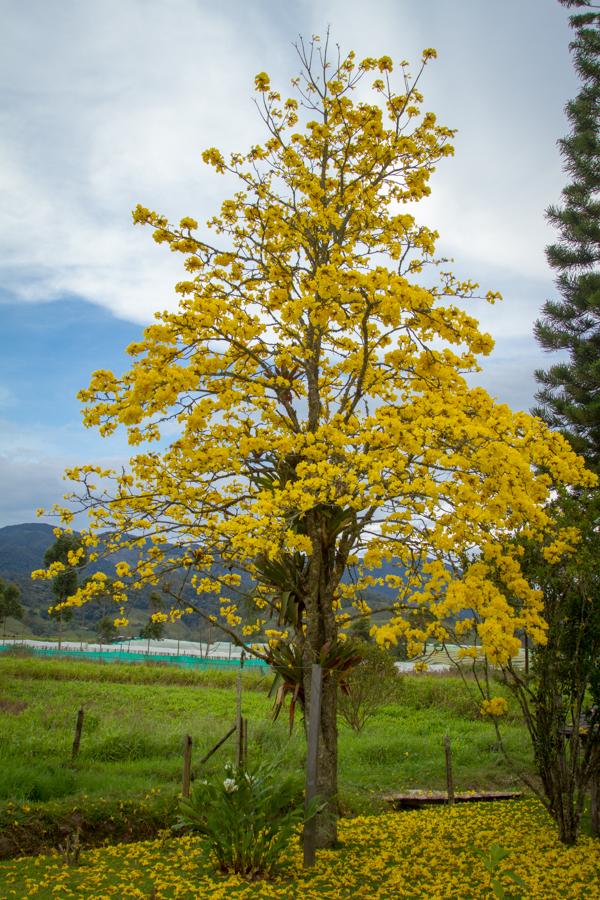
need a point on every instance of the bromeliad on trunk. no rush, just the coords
(337, 659)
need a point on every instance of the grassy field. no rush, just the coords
(136, 717)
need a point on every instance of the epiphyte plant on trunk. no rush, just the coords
(314, 374)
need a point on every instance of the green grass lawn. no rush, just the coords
(136, 717)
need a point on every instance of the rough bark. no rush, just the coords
(323, 579)
(595, 805)
(559, 763)
(326, 822)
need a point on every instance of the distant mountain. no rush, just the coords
(22, 547)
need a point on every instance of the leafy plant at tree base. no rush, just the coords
(336, 658)
(368, 686)
(249, 818)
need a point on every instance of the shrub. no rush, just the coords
(249, 818)
(368, 686)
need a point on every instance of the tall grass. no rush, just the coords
(135, 717)
(22, 665)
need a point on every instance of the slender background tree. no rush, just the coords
(560, 694)
(67, 556)
(10, 607)
(562, 700)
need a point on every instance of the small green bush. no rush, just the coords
(249, 818)
(368, 686)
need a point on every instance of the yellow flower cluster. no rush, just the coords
(495, 707)
(564, 544)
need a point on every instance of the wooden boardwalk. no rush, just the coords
(420, 799)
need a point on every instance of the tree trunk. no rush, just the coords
(326, 819)
(563, 790)
(595, 804)
(322, 581)
(562, 774)
(567, 820)
(327, 766)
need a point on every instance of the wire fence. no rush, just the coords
(217, 655)
(108, 653)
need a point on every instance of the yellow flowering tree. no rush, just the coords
(310, 404)
(558, 688)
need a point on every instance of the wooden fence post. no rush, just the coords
(245, 747)
(239, 722)
(77, 737)
(314, 723)
(187, 765)
(449, 776)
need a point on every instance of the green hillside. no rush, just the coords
(22, 549)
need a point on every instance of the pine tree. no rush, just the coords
(570, 395)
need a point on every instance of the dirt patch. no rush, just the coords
(12, 706)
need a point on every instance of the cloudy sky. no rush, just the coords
(107, 103)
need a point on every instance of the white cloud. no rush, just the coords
(33, 460)
(114, 109)
(110, 104)
(25, 485)
(502, 78)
